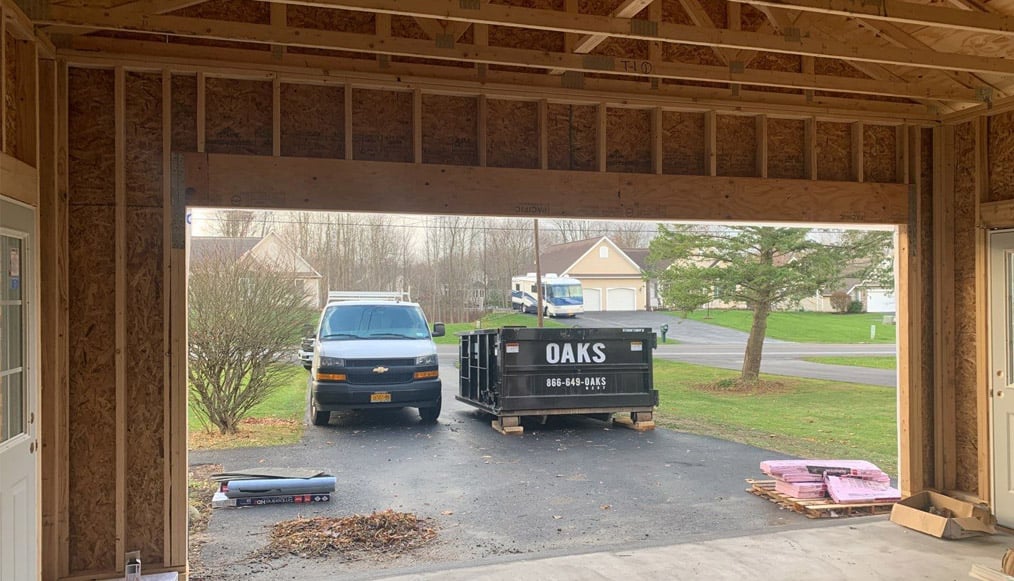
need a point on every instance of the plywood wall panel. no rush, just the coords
(381, 125)
(786, 144)
(146, 383)
(512, 133)
(91, 130)
(737, 145)
(880, 147)
(450, 130)
(144, 139)
(325, 19)
(313, 121)
(965, 305)
(238, 117)
(248, 11)
(184, 113)
(834, 151)
(91, 518)
(572, 137)
(1001, 156)
(683, 143)
(628, 140)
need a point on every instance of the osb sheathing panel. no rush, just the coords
(880, 146)
(238, 118)
(313, 121)
(91, 131)
(407, 27)
(776, 61)
(925, 375)
(834, 151)
(572, 137)
(91, 405)
(628, 140)
(381, 125)
(751, 19)
(248, 11)
(450, 130)
(965, 392)
(10, 104)
(683, 143)
(146, 383)
(1001, 156)
(674, 13)
(510, 37)
(837, 68)
(512, 134)
(737, 145)
(144, 139)
(184, 113)
(325, 19)
(786, 143)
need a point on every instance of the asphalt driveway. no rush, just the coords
(680, 329)
(572, 485)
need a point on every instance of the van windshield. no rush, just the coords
(345, 322)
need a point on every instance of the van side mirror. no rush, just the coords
(438, 329)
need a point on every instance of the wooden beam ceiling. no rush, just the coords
(902, 12)
(366, 43)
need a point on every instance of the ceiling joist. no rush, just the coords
(598, 64)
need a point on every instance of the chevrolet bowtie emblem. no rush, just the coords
(380, 369)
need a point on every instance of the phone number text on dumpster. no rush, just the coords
(589, 383)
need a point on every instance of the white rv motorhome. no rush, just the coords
(561, 295)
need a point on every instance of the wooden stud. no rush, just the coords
(982, 321)
(601, 139)
(808, 64)
(201, 112)
(909, 276)
(348, 122)
(810, 148)
(3, 80)
(62, 340)
(417, 130)
(482, 139)
(543, 134)
(383, 30)
(120, 188)
(711, 143)
(945, 464)
(657, 142)
(169, 534)
(276, 116)
(857, 151)
(762, 142)
(655, 16)
(902, 153)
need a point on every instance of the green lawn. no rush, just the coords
(806, 327)
(496, 320)
(872, 362)
(276, 421)
(808, 418)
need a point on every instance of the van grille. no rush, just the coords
(371, 363)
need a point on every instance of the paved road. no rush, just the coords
(682, 330)
(573, 485)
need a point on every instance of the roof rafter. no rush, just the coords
(587, 24)
(365, 43)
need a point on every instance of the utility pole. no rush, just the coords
(538, 275)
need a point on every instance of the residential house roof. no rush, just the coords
(205, 248)
(560, 258)
(269, 249)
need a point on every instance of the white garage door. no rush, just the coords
(879, 301)
(592, 299)
(620, 299)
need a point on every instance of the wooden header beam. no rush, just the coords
(219, 180)
(903, 12)
(596, 64)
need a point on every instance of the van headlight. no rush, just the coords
(329, 362)
(426, 360)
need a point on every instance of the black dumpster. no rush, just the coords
(515, 371)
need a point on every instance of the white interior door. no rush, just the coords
(19, 455)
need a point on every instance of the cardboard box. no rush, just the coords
(959, 520)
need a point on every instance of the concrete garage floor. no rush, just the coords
(873, 549)
(649, 504)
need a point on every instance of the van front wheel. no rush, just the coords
(430, 414)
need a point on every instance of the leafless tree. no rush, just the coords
(245, 318)
(242, 223)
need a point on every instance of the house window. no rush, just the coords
(603, 252)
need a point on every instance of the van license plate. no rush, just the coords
(380, 398)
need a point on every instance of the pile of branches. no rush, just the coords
(387, 533)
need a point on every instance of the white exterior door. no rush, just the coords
(19, 454)
(592, 299)
(621, 299)
(1001, 318)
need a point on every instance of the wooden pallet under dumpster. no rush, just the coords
(818, 507)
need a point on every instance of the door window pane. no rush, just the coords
(1009, 277)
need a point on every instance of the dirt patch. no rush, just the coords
(386, 534)
(739, 386)
(252, 432)
(200, 489)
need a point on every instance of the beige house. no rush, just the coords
(270, 251)
(611, 277)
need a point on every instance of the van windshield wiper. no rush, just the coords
(340, 336)
(394, 335)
